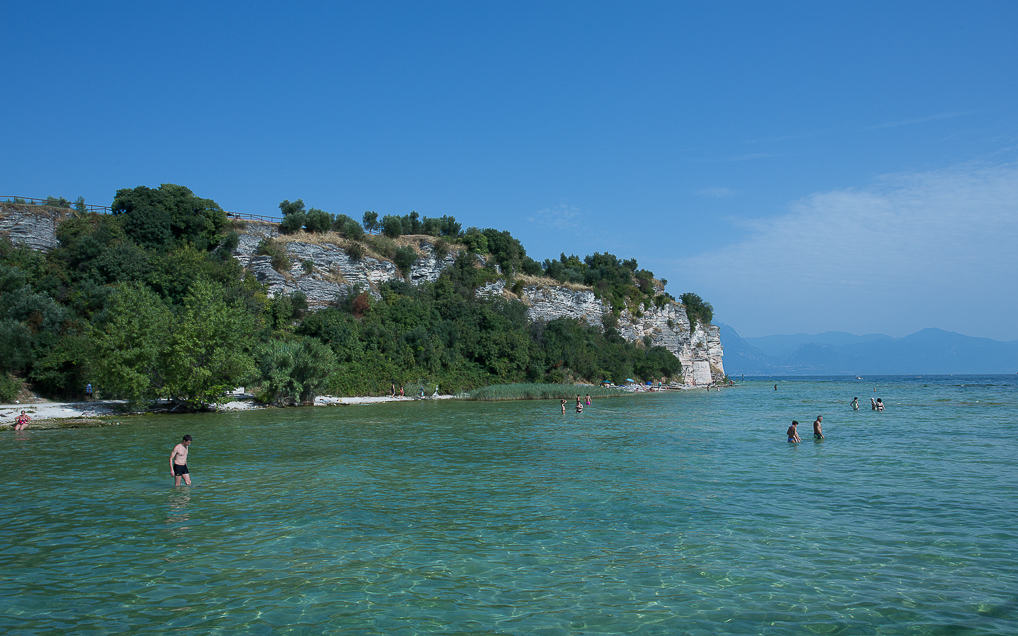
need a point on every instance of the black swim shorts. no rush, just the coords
(180, 469)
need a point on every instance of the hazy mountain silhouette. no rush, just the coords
(929, 351)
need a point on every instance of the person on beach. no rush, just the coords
(855, 404)
(392, 392)
(563, 406)
(793, 433)
(88, 391)
(401, 393)
(880, 405)
(21, 423)
(588, 399)
(178, 462)
(818, 432)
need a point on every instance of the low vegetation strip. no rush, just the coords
(536, 391)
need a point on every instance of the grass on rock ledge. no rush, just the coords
(540, 392)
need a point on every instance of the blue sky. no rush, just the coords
(803, 166)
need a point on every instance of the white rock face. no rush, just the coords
(699, 350)
(549, 303)
(31, 225)
(324, 271)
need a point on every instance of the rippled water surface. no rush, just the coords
(667, 513)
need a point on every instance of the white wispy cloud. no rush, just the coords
(559, 217)
(910, 250)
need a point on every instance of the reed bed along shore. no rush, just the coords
(529, 391)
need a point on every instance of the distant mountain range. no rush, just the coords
(930, 351)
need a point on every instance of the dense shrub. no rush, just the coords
(292, 223)
(348, 227)
(293, 371)
(475, 241)
(317, 220)
(9, 388)
(404, 258)
(392, 226)
(154, 217)
(697, 310)
(355, 251)
(276, 251)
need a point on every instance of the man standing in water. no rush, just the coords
(178, 462)
(855, 404)
(818, 433)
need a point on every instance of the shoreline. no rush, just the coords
(49, 415)
(82, 414)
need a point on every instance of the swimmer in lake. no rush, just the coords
(818, 432)
(793, 433)
(563, 406)
(579, 405)
(880, 405)
(855, 404)
(873, 404)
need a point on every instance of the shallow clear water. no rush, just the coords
(667, 513)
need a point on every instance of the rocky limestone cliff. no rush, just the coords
(31, 225)
(323, 270)
(698, 349)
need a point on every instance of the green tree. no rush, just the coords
(130, 343)
(697, 310)
(318, 220)
(392, 226)
(209, 351)
(370, 220)
(475, 240)
(294, 216)
(348, 227)
(154, 217)
(287, 207)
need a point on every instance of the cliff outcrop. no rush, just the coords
(323, 270)
(321, 267)
(31, 225)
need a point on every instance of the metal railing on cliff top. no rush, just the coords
(105, 209)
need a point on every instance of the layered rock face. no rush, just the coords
(698, 349)
(31, 225)
(324, 271)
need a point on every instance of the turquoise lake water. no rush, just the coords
(682, 512)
